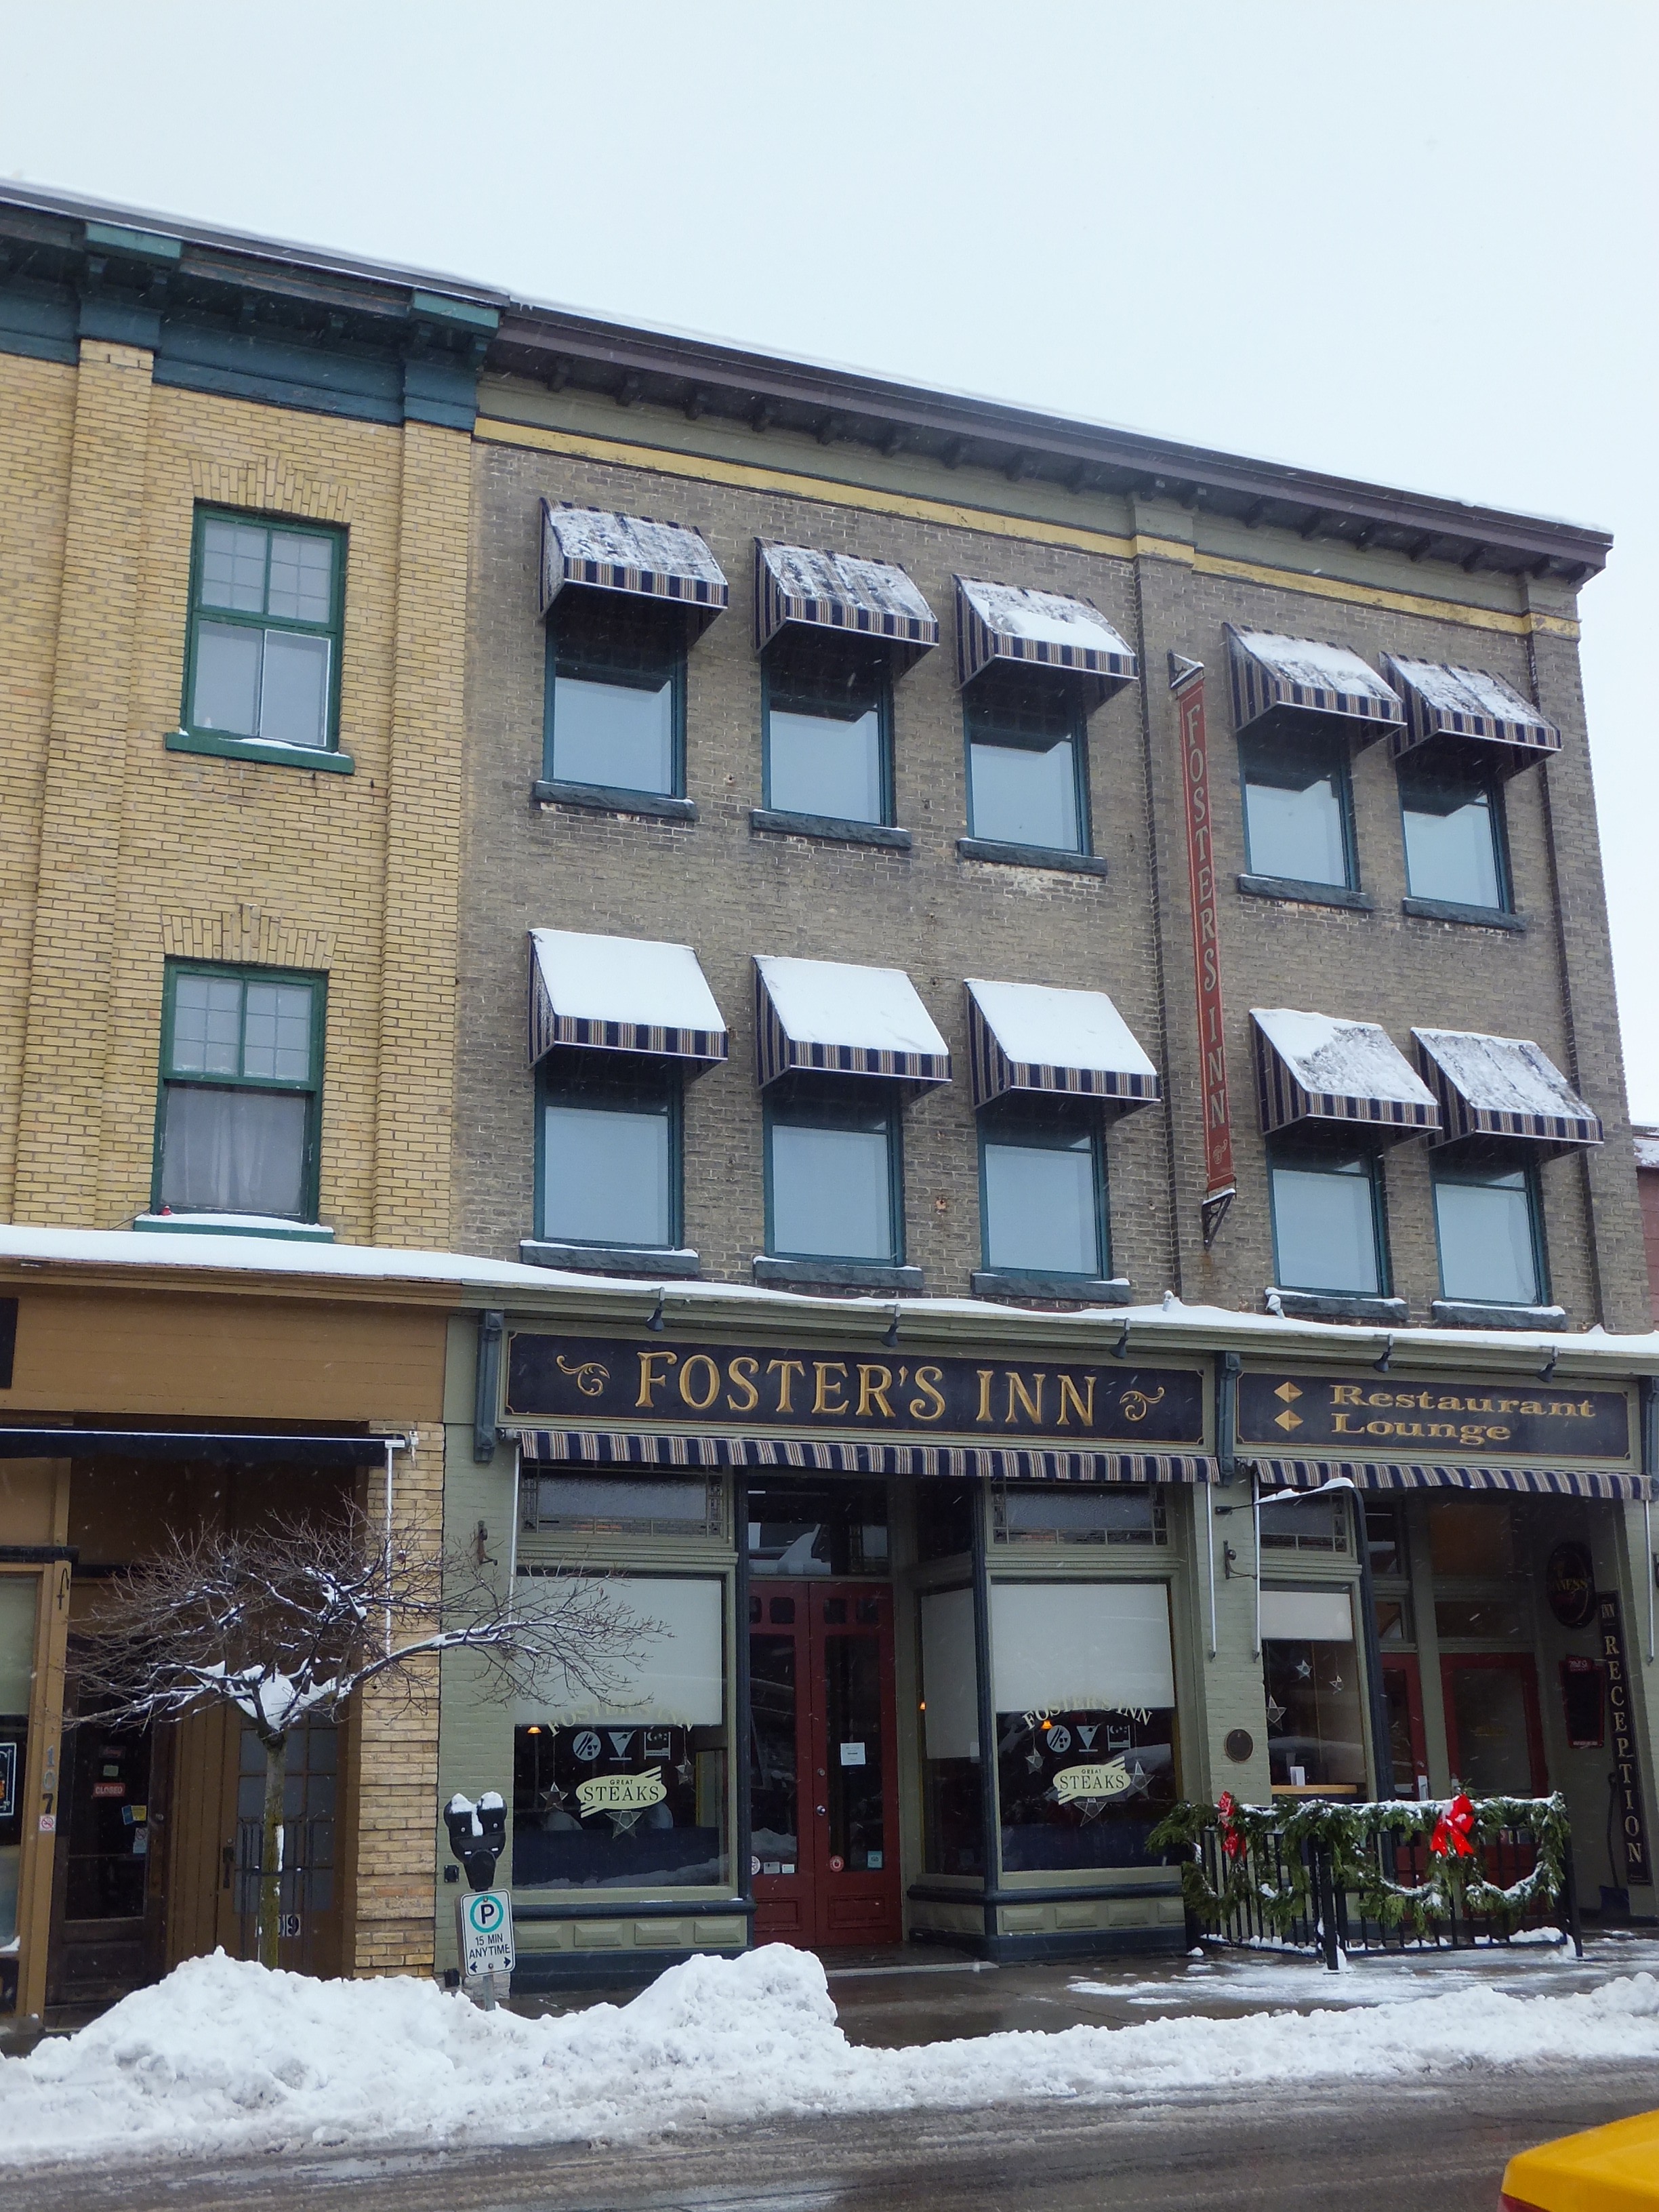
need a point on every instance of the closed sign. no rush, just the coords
(485, 1918)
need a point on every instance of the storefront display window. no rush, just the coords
(1319, 1525)
(629, 1791)
(1084, 1687)
(1075, 1513)
(952, 1770)
(944, 1519)
(1316, 1732)
(826, 1528)
(17, 1606)
(603, 1505)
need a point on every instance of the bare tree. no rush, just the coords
(290, 1622)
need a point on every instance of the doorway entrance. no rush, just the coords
(822, 1769)
(107, 1892)
(1494, 1737)
(1408, 1753)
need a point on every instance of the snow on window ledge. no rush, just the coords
(236, 1224)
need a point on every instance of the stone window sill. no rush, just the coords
(1335, 1306)
(599, 799)
(991, 1283)
(828, 827)
(319, 758)
(1473, 917)
(1464, 1313)
(1030, 856)
(1299, 894)
(644, 1261)
(235, 1225)
(837, 1274)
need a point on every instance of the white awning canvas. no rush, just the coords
(621, 994)
(825, 1015)
(1035, 1037)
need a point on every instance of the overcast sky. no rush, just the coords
(1403, 241)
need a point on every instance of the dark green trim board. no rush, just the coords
(210, 743)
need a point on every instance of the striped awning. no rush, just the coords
(1395, 1475)
(621, 994)
(1319, 1069)
(1493, 1086)
(823, 1016)
(1039, 629)
(601, 1448)
(1030, 1036)
(1272, 673)
(796, 585)
(1472, 704)
(588, 546)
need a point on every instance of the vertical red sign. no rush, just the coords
(1187, 681)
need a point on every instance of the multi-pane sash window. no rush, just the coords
(241, 1073)
(264, 632)
(827, 715)
(1026, 780)
(615, 679)
(1297, 825)
(1043, 1191)
(610, 1153)
(1486, 1223)
(1327, 1224)
(832, 1176)
(1454, 834)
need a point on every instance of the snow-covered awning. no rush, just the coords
(1314, 1068)
(606, 552)
(823, 1016)
(1396, 1474)
(1272, 673)
(795, 585)
(621, 994)
(1470, 703)
(859, 1456)
(1495, 1086)
(1041, 629)
(1030, 1036)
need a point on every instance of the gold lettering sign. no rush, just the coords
(620, 1793)
(1428, 1420)
(1109, 1779)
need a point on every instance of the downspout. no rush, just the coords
(487, 1387)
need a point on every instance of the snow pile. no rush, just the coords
(1344, 1060)
(866, 1009)
(225, 2057)
(580, 534)
(1042, 1026)
(1041, 618)
(1472, 691)
(807, 577)
(1504, 1075)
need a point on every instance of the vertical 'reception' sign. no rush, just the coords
(1627, 1772)
(1187, 681)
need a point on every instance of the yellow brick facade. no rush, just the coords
(116, 853)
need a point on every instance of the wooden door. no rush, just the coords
(108, 1888)
(1494, 1734)
(822, 1770)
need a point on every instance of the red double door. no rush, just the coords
(823, 1815)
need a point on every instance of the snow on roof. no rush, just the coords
(1457, 691)
(1044, 616)
(1040, 1025)
(1313, 665)
(1504, 1075)
(876, 1009)
(633, 980)
(1647, 1148)
(801, 572)
(1349, 1060)
(634, 541)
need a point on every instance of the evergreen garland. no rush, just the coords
(1279, 1884)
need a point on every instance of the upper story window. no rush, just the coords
(1453, 816)
(1298, 807)
(827, 708)
(241, 1086)
(1027, 773)
(610, 1161)
(615, 695)
(263, 662)
(1042, 1180)
(834, 1179)
(1327, 1221)
(1488, 1226)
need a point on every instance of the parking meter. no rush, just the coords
(477, 1835)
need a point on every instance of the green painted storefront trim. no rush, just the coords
(188, 1224)
(251, 749)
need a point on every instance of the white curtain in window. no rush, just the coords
(1072, 1647)
(949, 1682)
(680, 1678)
(234, 1151)
(1307, 1616)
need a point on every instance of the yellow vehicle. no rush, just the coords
(1611, 2169)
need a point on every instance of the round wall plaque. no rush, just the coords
(1570, 1584)
(1240, 1744)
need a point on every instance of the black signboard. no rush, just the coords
(1450, 1417)
(589, 1382)
(1626, 1773)
(1569, 1586)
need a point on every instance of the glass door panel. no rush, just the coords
(1403, 1692)
(1492, 1731)
(775, 1729)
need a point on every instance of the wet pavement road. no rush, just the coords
(1416, 2149)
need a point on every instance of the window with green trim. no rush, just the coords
(827, 711)
(1327, 1220)
(237, 1123)
(1042, 1190)
(615, 695)
(263, 657)
(834, 1178)
(1298, 811)
(1027, 770)
(1452, 815)
(609, 1168)
(1488, 1226)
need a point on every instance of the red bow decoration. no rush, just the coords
(1232, 1835)
(1453, 1829)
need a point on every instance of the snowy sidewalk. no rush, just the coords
(224, 2058)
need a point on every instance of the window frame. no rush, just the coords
(1341, 749)
(773, 663)
(1479, 772)
(670, 624)
(1472, 1171)
(597, 1077)
(316, 980)
(333, 629)
(1003, 1121)
(979, 698)
(1328, 1157)
(805, 1094)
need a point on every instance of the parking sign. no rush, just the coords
(485, 1921)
